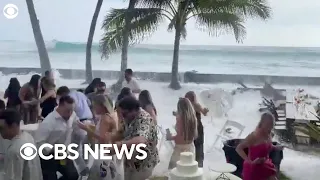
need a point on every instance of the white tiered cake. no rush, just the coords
(187, 168)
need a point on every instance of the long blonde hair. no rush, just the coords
(266, 117)
(104, 101)
(188, 119)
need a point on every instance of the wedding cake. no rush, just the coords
(187, 168)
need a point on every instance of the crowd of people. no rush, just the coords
(90, 116)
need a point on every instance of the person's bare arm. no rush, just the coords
(117, 136)
(247, 142)
(199, 108)
(150, 110)
(22, 93)
(48, 94)
(178, 130)
(107, 126)
(103, 129)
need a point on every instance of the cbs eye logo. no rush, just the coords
(28, 151)
(10, 11)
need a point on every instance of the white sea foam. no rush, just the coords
(297, 165)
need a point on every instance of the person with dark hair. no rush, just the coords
(199, 142)
(12, 94)
(59, 127)
(92, 86)
(48, 101)
(130, 82)
(82, 103)
(80, 90)
(139, 128)
(29, 95)
(2, 105)
(15, 167)
(100, 89)
(125, 92)
(63, 90)
(48, 74)
(147, 104)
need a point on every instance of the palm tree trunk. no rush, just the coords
(175, 84)
(125, 46)
(89, 75)
(43, 54)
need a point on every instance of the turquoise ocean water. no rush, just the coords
(157, 58)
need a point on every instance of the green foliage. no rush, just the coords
(212, 16)
(283, 177)
(310, 129)
(144, 21)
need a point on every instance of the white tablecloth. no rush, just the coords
(223, 167)
(292, 112)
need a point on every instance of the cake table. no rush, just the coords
(222, 169)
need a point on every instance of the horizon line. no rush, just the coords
(171, 44)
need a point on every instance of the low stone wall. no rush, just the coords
(185, 77)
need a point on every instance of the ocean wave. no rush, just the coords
(56, 46)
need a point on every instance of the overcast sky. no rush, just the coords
(294, 23)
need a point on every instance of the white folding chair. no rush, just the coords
(224, 134)
(217, 100)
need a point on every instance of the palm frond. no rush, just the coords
(154, 3)
(172, 23)
(247, 8)
(144, 21)
(184, 32)
(216, 23)
(114, 19)
(111, 42)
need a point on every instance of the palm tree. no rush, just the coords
(43, 54)
(213, 15)
(110, 43)
(89, 75)
(125, 27)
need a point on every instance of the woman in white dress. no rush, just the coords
(186, 127)
(104, 169)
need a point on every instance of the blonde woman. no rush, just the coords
(257, 164)
(103, 169)
(186, 127)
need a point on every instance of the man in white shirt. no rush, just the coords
(83, 112)
(130, 82)
(58, 128)
(15, 167)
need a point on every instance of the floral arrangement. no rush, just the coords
(300, 97)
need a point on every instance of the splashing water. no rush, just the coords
(297, 165)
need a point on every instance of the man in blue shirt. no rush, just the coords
(82, 103)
